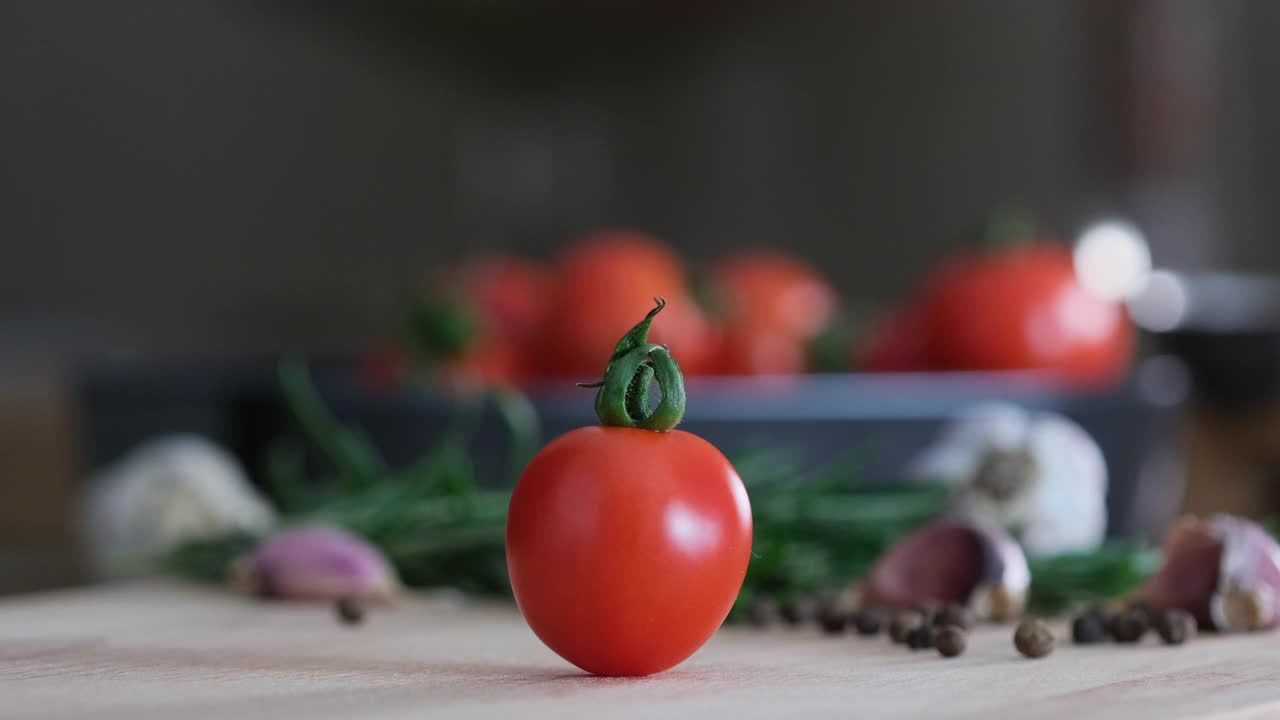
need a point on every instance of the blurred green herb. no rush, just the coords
(1112, 570)
(814, 531)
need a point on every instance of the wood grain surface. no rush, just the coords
(163, 650)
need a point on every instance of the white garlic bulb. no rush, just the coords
(1038, 474)
(165, 492)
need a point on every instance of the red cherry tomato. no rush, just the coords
(626, 548)
(509, 294)
(772, 306)
(500, 302)
(775, 292)
(896, 344)
(491, 362)
(1024, 309)
(605, 281)
(753, 351)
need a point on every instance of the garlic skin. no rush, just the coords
(165, 492)
(316, 563)
(1037, 472)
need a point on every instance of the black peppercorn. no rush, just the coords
(922, 638)
(350, 611)
(797, 610)
(762, 613)
(955, 614)
(1128, 626)
(869, 621)
(833, 619)
(1089, 628)
(950, 640)
(903, 623)
(1033, 638)
(1175, 626)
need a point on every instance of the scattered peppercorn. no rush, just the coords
(1128, 626)
(869, 621)
(955, 614)
(762, 613)
(350, 611)
(950, 640)
(833, 619)
(798, 610)
(903, 623)
(1175, 626)
(1089, 628)
(921, 638)
(1033, 638)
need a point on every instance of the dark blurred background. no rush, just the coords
(234, 178)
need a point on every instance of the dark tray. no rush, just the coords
(886, 419)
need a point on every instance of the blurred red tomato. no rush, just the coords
(756, 351)
(772, 306)
(1023, 309)
(603, 282)
(474, 327)
(508, 294)
(897, 343)
(774, 292)
(490, 362)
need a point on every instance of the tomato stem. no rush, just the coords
(623, 396)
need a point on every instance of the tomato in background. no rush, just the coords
(602, 283)
(897, 343)
(510, 295)
(772, 306)
(470, 328)
(1022, 308)
(775, 291)
(757, 351)
(489, 363)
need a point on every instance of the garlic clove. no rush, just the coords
(316, 563)
(952, 560)
(1225, 571)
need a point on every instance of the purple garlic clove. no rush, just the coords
(952, 560)
(316, 563)
(1225, 571)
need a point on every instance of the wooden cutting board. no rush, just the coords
(164, 650)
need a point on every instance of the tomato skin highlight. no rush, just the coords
(627, 548)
